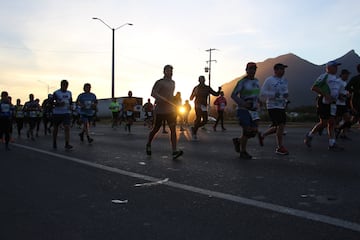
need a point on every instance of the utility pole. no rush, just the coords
(208, 69)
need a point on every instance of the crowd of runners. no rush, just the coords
(338, 108)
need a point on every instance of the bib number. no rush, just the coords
(203, 108)
(254, 115)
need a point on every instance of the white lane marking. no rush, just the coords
(245, 201)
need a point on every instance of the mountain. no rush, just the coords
(300, 74)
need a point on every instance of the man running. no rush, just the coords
(246, 95)
(201, 93)
(328, 87)
(6, 112)
(87, 102)
(165, 110)
(62, 101)
(31, 110)
(275, 92)
(129, 105)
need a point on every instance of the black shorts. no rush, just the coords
(64, 119)
(277, 116)
(323, 110)
(341, 110)
(170, 118)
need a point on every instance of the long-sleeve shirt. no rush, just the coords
(275, 91)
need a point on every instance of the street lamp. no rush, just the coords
(208, 69)
(113, 53)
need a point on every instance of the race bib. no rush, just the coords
(333, 109)
(87, 104)
(222, 106)
(19, 114)
(33, 114)
(5, 108)
(203, 108)
(254, 115)
(149, 114)
(129, 113)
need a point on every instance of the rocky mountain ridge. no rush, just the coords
(301, 74)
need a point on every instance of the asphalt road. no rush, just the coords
(110, 189)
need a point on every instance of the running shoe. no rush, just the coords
(236, 143)
(54, 145)
(245, 155)
(336, 148)
(261, 139)
(68, 147)
(307, 140)
(148, 149)
(90, 140)
(193, 135)
(281, 151)
(177, 154)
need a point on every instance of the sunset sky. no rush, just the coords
(45, 41)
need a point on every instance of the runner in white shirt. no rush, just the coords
(343, 116)
(62, 100)
(328, 86)
(275, 93)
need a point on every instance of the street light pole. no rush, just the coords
(113, 53)
(209, 68)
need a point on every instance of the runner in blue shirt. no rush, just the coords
(87, 102)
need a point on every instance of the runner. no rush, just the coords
(62, 100)
(19, 116)
(115, 110)
(246, 95)
(47, 108)
(87, 103)
(148, 109)
(328, 87)
(31, 109)
(6, 112)
(129, 106)
(165, 110)
(201, 93)
(220, 103)
(187, 109)
(178, 103)
(275, 92)
(343, 116)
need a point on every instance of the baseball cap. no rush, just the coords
(251, 65)
(280, 66)
(333, 63)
